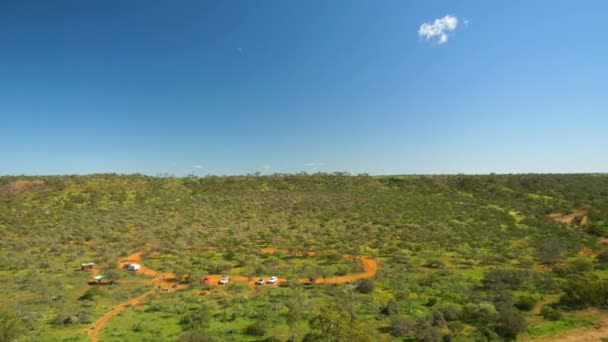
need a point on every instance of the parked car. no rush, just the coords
(206, 280)
(132, 267)
(273, 280)
(260, 281)
(225, 280)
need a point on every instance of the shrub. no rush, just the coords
(551, 250)
(586, 292)
(401, 326)
(505, 278)
(256, 329)
(525, 302)
(427, 333)
(138, 327)
(434, 264)
(437, 319)
(550, 313)
(196, 336)
(341, 270)
(603, 257)
(510, 322)
(451, 312)
(577, 266)
(11, 325)
(92, 292)
(366, 286)
(597, 230)
(390, 308)
(483, 313)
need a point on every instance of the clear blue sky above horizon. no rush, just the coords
(233, 87)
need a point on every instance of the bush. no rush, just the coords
(366, 286)
(196, 336)
(401, 326)
(525, 302)
(256, 329)
(577, 266)
(510, 322)
(586, 292)
(11, 326)
(505, 278)
(427, 333)
(602, 257)
(451, 312)
(483, 313)
(434, 264)
(92, 292)
(436, 318)
(597, 230)
(550, 313)
(341, 270)
(391, 308)
(551, 250)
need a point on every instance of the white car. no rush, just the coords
(225, 280)
(272, 280)
(260, 281)
(132, 267)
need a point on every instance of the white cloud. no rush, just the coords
(438, 30)
(199, 167)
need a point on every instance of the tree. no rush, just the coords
(510, 322)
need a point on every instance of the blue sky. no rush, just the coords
(233, 87)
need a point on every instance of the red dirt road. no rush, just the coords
(166, 280)
(116, 309)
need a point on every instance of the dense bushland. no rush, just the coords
(461, 256)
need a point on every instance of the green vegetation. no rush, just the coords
(461, 257)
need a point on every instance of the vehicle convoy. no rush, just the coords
(224, 280)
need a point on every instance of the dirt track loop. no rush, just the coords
(166, 280)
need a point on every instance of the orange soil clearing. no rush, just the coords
(166, 280)
(20, 184)
(581, 213)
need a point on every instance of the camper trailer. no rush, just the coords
(87, 266)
